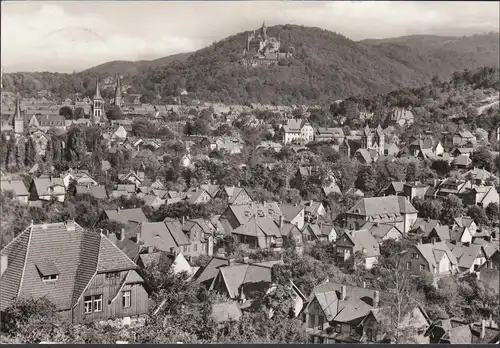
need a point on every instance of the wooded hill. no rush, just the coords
(327, 66)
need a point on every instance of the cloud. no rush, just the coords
(52, 39)
(62, 36)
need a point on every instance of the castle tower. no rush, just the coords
(366, 138)
(381, 139)
(118, 92)
(98, 104)
(18, 119)
(263, 31)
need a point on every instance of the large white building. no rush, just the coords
(298, 131)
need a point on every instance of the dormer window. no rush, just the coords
(48, 271)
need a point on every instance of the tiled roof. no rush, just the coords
(175, 229)
(17, 186)
(427, 251)
(43, 185)
(97, 191)
(76, 254)
(290, 211)
(226, 311)
(378, 230)
(211, 269)
(383, 206)
(466, 255)
(125, 215)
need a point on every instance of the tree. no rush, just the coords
(398, 280)
(78, 113)
(114, 113)
(11, 162)
(76, 148)
(482, 136)
(492, 212)
(366, 179)
(478, 214)
(66, 112)
(30, 153)
(343, 171)
(21, 152)
(30, 319)
(452, 208)
(428, 208)
(482, 158)
(3, 148)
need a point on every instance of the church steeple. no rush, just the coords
(97, 90)
(18, 119)
(98, 104)
(118, 92)
(263, 30)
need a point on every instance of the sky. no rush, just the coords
(62, 36)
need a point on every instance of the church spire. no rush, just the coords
(17, 114)
(118, 91)
(263, 30)
(97, 90)
(18, 119)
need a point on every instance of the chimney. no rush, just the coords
(364, 285)
(246, 260)
(343, 292)
(376, 298)
(281, 221)
(70, 225)
(4, 262)
(183, 220)
(151, 249)
(483, 328)
(311, 203)
(138, 237)
(121, 234)
(118, 210)
(231, 262)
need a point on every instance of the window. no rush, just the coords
(352, 331)
(321, 322)
(185, 248)
(126, 299)
(408, 265)
(338, 327)
(422, 268)
(311, 321)
(415, 256)
(50, 278)
(195, 247)
(88, 304)
(434, 269)
(98, 303)
(369, 335)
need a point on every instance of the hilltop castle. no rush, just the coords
(262, 49)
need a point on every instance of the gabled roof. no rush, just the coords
(379, 230)
(428, 251)
(125, 215)
(17, 186)
(97, 191)
(226, 311)
(383, 206)
(175, 229)
(43, 185)
(290, 211)
(466, 255)
(66, 248)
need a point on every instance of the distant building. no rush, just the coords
(299, 131)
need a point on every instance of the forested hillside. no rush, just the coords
(326, 66)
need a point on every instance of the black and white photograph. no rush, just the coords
(250, 172)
